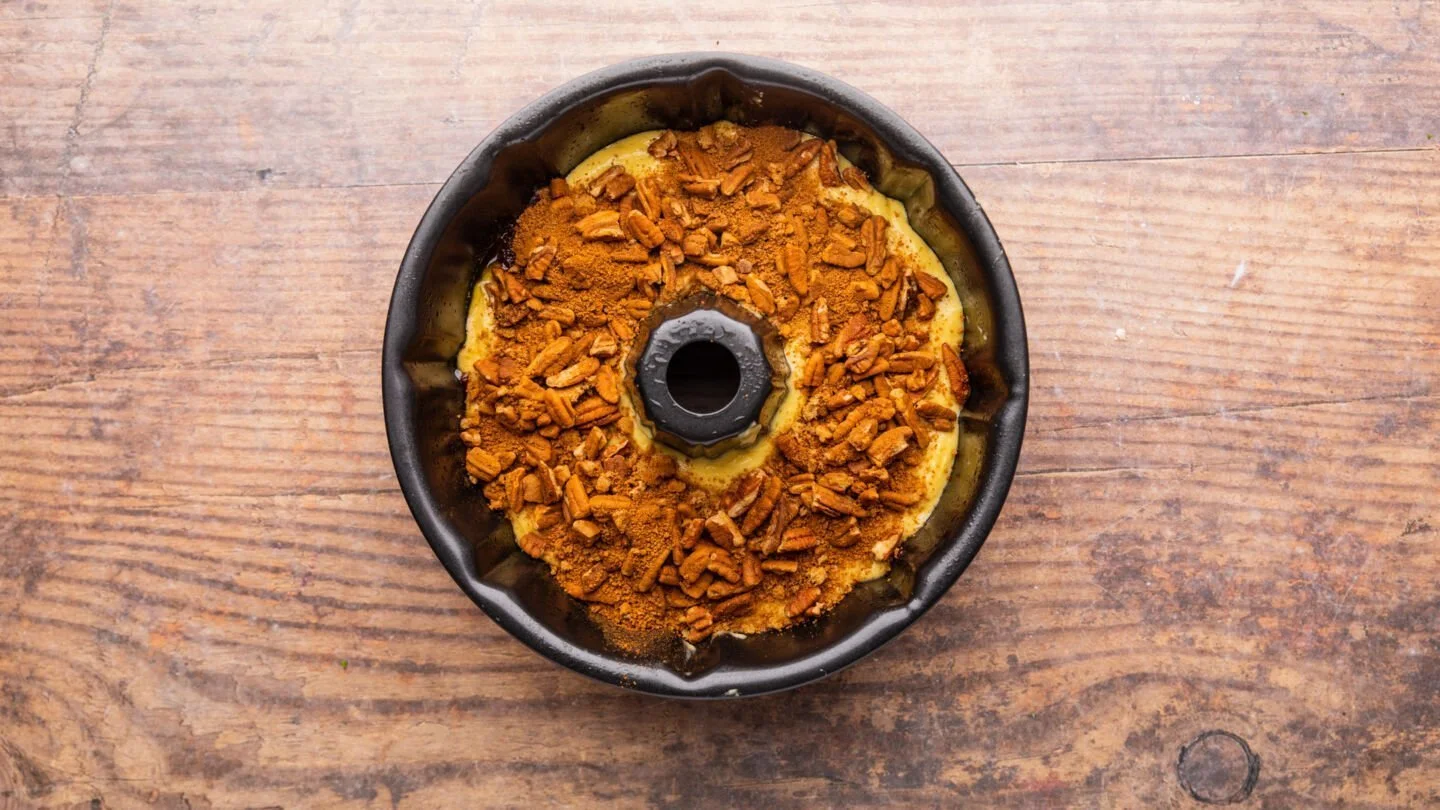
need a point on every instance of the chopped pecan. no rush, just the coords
(924, 308)
(651, 573)
(840, 256)
(735, 604)
(819, 322)
(872, 236)
(696, 562)
(532, 543)
(863, 434)
(769, 495)
(864, 289)
(801, 157)
(647, 194)
(560, 408)
(549, 356)
(888, 445)
(760, 294)
(829, 166)
(780, 566)
(587, 529)
(601, 225)
(646, 232)
(930, 286)
(955, 372)
(850, 536)
(722, 529)
(706, 189)
(899, 500)
(813, 374)
(797, 538)
(622, 330)
(604, 346)
(885, 549)
(696, 162)
(803, 601)
(595, 412)
(855, 178)
(941, 417)
(542, 259)
(737, 178)
(487, 466)
(762, 198)
(607, 386)
(577, 372)
(663, 145)
(831, 502)
(746, 494)
(905, 408)
(609, 503)
(793, 264)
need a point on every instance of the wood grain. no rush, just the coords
(350, 93)
(211, 593)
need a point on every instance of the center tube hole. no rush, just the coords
(703, 377)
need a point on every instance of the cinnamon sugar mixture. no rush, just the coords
(654, 541)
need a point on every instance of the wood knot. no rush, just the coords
(1218, 767)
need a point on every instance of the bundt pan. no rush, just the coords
(462, 228)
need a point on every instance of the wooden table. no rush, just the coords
(1225, 223)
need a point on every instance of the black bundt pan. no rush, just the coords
(423, 398)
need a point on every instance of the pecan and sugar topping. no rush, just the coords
(851, 463)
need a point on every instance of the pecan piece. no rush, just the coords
(542, 259)
(769, 495)
(722, 529)
(646, 232)
(696, 562)
(647, 194)
(608, 503)
(601, 225)
(885, 549)
(796, 539)
(840, 256)
(760, 295)
(813, 374)
(855, 178)
(780, 566)
(560, 409)
(830, 502)
(604, 346)
(829, 166)
(801, 157)
(905, 408)
(532, 543)
(587, 529)
(736, 179)
(930, 287)
(819, 322)
(606, 385)
(888, 445)
(899, 500)
(549, 356)
(955, 372)
(651, 573)
(863, 434)
(803, 602)
(486, 466)
(747, 494)
(663, 145)
(795, 267)
(733, 605)
(577, 372)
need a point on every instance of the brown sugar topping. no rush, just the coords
(549, 434)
